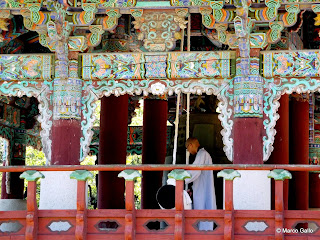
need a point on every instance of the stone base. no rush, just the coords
(58, 191)
(13, 204)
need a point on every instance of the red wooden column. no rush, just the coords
(153, 148)
(248, 151)
(66, 134)
(112, 150)
(229, 175)
(248, 110)
(32, 208)
(66, 125)
(280, 154)
(299, 153)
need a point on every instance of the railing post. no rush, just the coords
(279, 176)
(229, 175)
(81, 218)
(130, 218)
(179, 175)
(32, 209)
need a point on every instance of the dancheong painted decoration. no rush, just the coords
(127, 82)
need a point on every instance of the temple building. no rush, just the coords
(241, 76)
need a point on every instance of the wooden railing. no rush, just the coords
(130, 223)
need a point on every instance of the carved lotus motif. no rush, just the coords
(157, 88)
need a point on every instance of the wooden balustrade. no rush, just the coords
(131, 224)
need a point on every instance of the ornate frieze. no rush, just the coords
(155, 66)
(292, 64)
(173, 65)
(120, 87)
(217, 17)
(199, 65)
(26, 67)
(113, 66)
(225, 97)
(88, 107)
(67, 94)
(248, 96)
(160, 30)
(67, 99)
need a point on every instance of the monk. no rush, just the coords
(204, 196)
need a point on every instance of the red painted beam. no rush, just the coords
(81, 217)
(163, 167)
(179, 216)
(32, 213)
(130, 217)
(228, 213)
(279, 209)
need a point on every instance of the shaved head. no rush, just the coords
(192, 140)
(192, 145)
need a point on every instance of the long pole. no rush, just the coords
(187, 125)
(176, 123)
(189, 32)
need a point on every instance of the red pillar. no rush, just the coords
(280, 154)
(66, 134)
(247, 131)
(112, 150)
(153, 148)
(299, 153)
(247, 137)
